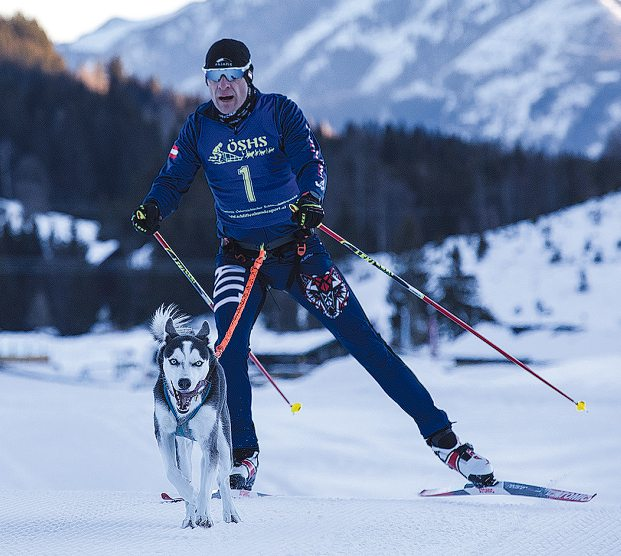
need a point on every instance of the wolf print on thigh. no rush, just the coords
(328, 292)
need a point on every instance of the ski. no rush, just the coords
(510, 488)
(235, 494)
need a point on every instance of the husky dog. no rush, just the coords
(190, 406)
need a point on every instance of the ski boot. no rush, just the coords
(245, 465)
(461, 457)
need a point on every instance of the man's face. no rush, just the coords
(227, 95)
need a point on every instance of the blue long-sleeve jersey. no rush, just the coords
(254, 170)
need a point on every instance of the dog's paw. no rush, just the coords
(191, 517)
(232, 517)
(204, 521)
(188, 522)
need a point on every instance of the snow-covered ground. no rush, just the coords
(80, 472)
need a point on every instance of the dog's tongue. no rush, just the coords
(183, 400)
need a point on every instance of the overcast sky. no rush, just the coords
(66, 20)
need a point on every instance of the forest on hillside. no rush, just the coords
(89, 145)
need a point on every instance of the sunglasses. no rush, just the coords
(230, 74)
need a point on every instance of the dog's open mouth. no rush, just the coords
(184, 399)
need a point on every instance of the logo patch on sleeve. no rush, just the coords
(173, 152)
(327, 292)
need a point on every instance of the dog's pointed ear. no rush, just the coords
(170, 330)
(203, 333)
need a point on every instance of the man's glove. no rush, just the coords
(146, 218)
(307, 211)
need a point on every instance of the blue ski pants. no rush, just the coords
(315, 283)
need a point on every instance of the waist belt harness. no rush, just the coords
(246, 253)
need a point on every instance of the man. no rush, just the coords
(260, 157)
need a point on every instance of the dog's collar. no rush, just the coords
(182, 422)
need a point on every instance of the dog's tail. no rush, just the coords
(160, 318)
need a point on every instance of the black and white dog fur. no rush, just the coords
(190, 406)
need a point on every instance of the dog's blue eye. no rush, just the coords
(198, 364)
(173, 361)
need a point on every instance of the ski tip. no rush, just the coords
(576, 497)
(168, 498)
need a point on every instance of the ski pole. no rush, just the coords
(295, 407)
(580, 405)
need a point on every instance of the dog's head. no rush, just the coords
(185, 360)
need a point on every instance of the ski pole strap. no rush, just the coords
(242, 303)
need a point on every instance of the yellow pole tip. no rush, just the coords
(581, 406)
(296, 407)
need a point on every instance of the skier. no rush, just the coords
(260, 157)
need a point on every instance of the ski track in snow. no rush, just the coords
(79, 522)
(83, 475)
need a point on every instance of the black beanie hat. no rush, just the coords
(227, 53)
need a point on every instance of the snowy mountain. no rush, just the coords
(557, 272)
(548, 284)
(543, 72)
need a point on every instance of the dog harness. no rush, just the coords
(182, 422)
